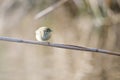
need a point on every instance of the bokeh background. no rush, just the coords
(90, 23)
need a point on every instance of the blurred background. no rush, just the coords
(90, 23)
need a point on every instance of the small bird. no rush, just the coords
(43, 34)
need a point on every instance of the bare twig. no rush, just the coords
(49, 9)
(65, 46)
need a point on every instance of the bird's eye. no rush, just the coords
(48, 30)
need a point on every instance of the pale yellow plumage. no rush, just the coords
(43, 33)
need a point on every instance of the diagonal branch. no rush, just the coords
(50, 9)
(65, 46)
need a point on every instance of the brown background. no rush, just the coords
(84, 23)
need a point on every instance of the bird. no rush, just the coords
(43, 34)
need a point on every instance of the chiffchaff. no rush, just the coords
(43, 33)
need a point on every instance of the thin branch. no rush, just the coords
(50, 9)
(65, 46)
